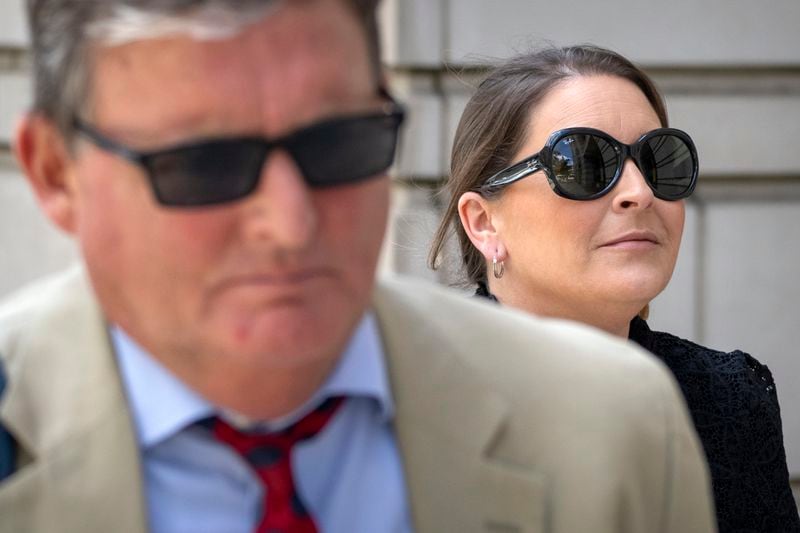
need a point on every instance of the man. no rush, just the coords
(222, 166)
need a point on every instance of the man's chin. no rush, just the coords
(281, 336)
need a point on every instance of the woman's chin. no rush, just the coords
(636, 291)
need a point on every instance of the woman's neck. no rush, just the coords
(611, 317)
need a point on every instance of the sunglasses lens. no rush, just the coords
(208, 173)
(346, 150)
(583, 165)
(335, 152)
(668, 163)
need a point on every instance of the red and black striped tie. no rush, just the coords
(270, 455)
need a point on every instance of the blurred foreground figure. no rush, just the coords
(223, 360)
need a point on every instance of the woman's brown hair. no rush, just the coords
(495, 122)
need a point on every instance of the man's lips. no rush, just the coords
(632, 238)
(278, 280)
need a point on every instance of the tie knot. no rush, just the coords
(249, 442)
(311, 424)
(269, 454)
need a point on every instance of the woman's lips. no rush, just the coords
(633, 240)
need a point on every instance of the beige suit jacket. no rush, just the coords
(505, 423)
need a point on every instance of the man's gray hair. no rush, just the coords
(63, 32)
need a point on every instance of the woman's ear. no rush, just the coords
(42, 153)
(476, 216)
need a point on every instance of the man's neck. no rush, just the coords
(244, 387)
(261, 394)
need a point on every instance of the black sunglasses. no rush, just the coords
(338, 151)
(584, 164)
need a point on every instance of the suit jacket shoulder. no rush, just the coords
(503, 422)
(573, 410)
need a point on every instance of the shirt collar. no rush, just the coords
(162, 405)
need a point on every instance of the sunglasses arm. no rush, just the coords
(107, 144)
(511, 174)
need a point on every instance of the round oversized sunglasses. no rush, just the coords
(333, 152)
(585, 163)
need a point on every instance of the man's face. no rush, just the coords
(275, 280)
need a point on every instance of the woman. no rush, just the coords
(568, 187)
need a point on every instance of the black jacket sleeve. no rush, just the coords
(734, 405)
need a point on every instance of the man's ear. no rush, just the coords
(476, 213)
(45, 159)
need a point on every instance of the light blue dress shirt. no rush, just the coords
(350, 475)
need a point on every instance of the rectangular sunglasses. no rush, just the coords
(338, 151)
(585, 163)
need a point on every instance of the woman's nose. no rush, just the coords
(632, 191)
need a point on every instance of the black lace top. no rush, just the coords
(733, 403)
(734, 406)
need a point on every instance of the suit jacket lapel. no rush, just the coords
(448, 418)
(78, 487)
(66, 408)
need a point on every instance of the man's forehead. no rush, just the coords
(207, 21)
(298, 58)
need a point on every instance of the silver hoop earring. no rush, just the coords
(498, 269)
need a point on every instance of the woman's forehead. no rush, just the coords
(608, 103)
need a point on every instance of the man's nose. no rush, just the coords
(632, 191)
(281, 210)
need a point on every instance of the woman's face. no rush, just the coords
(587, 260)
